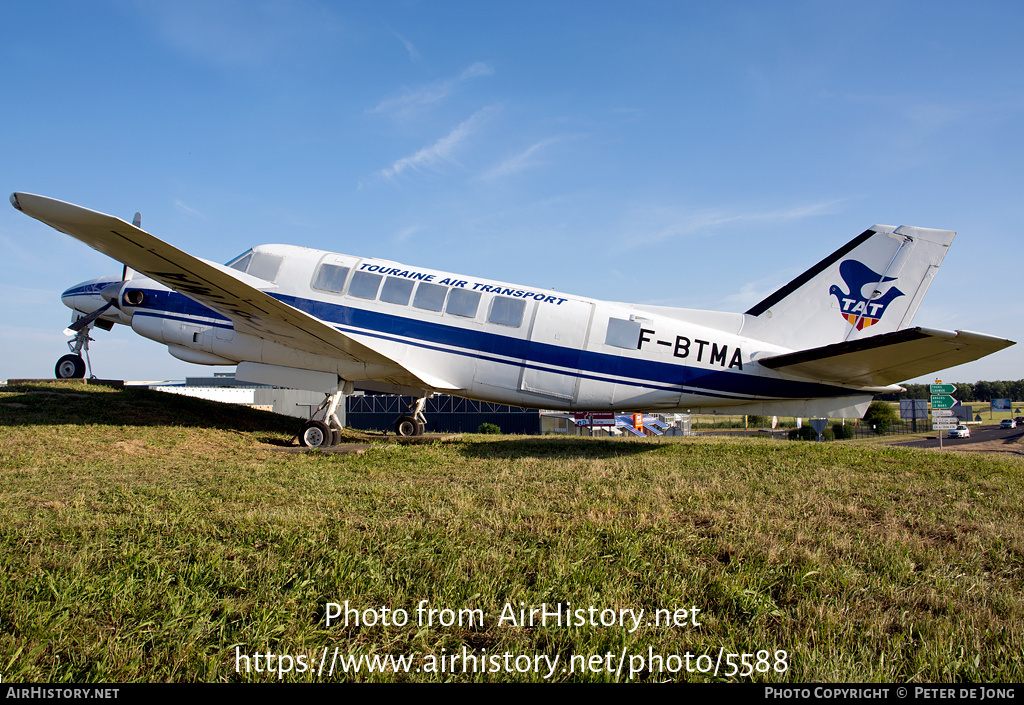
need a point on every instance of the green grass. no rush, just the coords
(148, 537)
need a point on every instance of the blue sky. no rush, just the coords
(680, 153)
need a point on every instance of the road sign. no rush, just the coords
(598, 418)
(943, 426)
(819, 425)
(943, 401)
(941, 388)
(913, 409)
(942, 412)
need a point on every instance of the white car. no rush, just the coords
(960, 431)
(1007, 423)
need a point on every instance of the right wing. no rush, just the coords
(250, 310)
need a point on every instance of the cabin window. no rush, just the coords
(623, 333)
(330, 277)
(364, 285)
(506, 311)
(430, 296)
(396, 290)
(463, 302)
(264, 266)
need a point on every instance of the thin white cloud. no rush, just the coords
(414, 55)
(187, 210)
(440, 152)
(660, 224)
(751, 292)
(527, 159)
(420, 98)
(27, 297)
(405, 234)
(235, 33)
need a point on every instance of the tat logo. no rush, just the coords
(862, 312)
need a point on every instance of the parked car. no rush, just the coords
(960, 431)
(1008, 423)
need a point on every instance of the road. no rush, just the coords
(979, 434)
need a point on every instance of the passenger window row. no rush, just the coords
(453, 301)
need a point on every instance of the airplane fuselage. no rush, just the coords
(488, 340)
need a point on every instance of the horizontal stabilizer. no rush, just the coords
(886, 359)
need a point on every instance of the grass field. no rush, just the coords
(150, 537)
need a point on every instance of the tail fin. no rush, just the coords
(872, 285)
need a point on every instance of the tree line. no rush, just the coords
(965, 391)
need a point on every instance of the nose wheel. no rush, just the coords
(70, 367)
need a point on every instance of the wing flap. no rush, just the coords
(250, 310)
(887, 359)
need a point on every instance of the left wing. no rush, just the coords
(250, 310)
(886, 359)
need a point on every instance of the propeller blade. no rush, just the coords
(86, 320)
(126, 273)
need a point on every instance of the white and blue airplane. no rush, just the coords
(822, 345)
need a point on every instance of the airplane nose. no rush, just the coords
(88, 296)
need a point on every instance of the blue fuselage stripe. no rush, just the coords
(494, 347)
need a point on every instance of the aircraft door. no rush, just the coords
(557, 335)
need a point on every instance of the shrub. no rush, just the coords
(489, 428)
(842, 432)
(806, 433)
(882, 416)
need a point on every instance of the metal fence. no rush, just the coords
(445, 414)
(866, 430)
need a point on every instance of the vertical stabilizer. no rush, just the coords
(874, 284)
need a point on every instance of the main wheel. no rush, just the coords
(408, 426)
(315, 434)
(70, 367)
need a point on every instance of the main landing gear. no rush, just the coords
(324, 429)
(413, 422)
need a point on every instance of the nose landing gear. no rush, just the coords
(73, 366)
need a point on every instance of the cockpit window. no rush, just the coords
(264, 266)
(241, 262)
